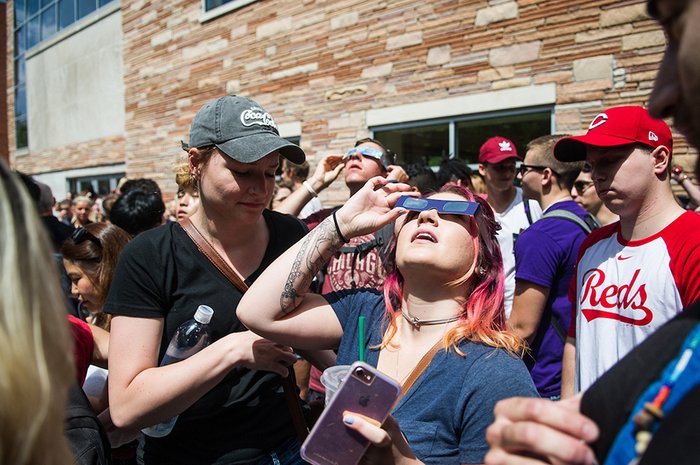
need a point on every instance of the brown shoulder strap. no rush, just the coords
(420, 368)
(208, 250)
(288, 383)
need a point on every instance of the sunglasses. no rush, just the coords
(582, 186)
(367, 152)
(448, 207)
(523, 168)
(81, 235)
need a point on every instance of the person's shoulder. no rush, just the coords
(372, 297)
(686, 225)
(476, 353)
(288, 227)
(488, 365)
(556, 225)
(600, 234)
(153, 240)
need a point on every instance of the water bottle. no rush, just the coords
(191, 337)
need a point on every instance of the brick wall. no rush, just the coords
(325, 63)
(98, 152)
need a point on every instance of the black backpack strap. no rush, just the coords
(567, 215)
(592, 221)
(558, 328)
(526, 206)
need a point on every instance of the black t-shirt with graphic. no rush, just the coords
(162, 274)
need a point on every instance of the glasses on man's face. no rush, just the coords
(81, 235)
(523, 168)
(447, 207)
(367, 152)
(582, 186)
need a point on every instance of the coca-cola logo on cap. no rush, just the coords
(256, 116)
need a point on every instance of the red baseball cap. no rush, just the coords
(615, 127)
(497, 149)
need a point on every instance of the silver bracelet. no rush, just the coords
(310, 188)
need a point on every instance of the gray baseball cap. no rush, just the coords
(241, 129)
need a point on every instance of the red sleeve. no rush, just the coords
(83, 345)
(683, 243)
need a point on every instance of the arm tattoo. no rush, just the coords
(318, 247)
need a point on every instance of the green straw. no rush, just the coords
(362, 338)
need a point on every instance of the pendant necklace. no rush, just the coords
(417, 322)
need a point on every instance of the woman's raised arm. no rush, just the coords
(277, 305)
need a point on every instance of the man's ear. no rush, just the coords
(548, 177)
(482, 169)
(661, 157)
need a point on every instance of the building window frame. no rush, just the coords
(209, 13)
(23, 23)
(452, 127)
(452, 111)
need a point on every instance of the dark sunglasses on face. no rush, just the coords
(367, 152)
(582, 186)
(523, 168)
(448, 207)
(81, 235)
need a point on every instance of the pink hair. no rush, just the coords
(482, 316)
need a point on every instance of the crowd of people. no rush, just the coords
(537, 309)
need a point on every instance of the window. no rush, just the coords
(430, 141)
(211, 4)
(100, 185)
(35, 22)
(214, 8)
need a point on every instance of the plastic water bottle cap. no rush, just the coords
(203, 314)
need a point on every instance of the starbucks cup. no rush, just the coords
(331, 379)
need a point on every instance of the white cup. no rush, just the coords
(331, 379)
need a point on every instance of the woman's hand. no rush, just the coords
(388, 444)
(538, 431)
(252, 351)
(372, 207)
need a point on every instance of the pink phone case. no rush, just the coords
(365, 391)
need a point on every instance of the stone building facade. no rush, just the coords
(330, 72)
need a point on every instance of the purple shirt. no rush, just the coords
(545, 254)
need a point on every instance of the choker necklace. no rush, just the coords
(417, 322)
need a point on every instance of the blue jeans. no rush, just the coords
(286, 453)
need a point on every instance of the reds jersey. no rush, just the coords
(625, 290)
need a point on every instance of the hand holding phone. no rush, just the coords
(365, 392)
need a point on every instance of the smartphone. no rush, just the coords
(677, 169)
(365, 391)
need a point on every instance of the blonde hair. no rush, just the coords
(36, 366)
(184, 179)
